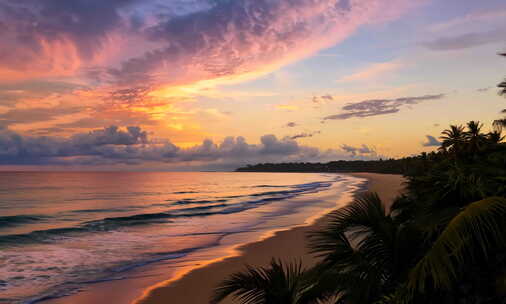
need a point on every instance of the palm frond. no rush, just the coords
(277, 283)
(502, 87)
(500, 122)
(361, 226)
(248, 286)
(478, 227)
(365, 211)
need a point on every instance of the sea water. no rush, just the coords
(60, 231)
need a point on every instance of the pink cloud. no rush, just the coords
(230, 39)
(248, 38)
(373, 71)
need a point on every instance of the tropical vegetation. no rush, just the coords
(442, 241)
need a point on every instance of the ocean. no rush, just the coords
(62, 232)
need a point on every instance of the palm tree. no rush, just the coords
(502, 85)
(501, 123)
(453, 138)
(473, 136)
(495, 136)
(270, 285)
(365, 252)
(475, 235)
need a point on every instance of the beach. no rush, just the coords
(107, 237)
(196, 286)
(182, 259)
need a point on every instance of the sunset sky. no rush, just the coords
(213, 84)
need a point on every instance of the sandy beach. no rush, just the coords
(196, 286)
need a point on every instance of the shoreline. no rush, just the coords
(136, 282)
(286, 244)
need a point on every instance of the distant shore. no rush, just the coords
(196, 286)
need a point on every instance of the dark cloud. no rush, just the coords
(323, 98)
(132, 145)
(32, 23)
(304, 135)
(291, 124)
(376, 107)
(362, 150)
(483, 90)
(465, 41)
(431, 142)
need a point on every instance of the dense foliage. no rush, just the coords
(442, 241)
(389, 166)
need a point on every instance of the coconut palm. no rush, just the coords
(501, 123)
(475, 235)
(365, 253)
(502, 85)
(495, 136)
(266, 285)
(453, 139)
(473, 136)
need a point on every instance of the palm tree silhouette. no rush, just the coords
(453, 138)
(495, 136)
(270, 285)
(502, 86)
(476, 232)
(366, 253)
(501, 123)
(473, 136)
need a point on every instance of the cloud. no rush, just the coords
(322, 99)
(31, 115)
(362, 150)
(244, 36)
(135, 53)
(482, 90)
(431, 142)
(377, 107)
(224, 38)
(304, 135)
(291, 124)
(176, 41)
(10, 94)
(467, 40)
(56, 37)
(373, 71)
(131, 146)
(471, 20)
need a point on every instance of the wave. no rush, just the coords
(15, 220)
(190, 201)
(185, 192)
(271, 186)
(126, 209)
(114, 274)
(212, 207)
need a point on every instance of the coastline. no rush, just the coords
(287, 244)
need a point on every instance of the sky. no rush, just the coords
(216, 84)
